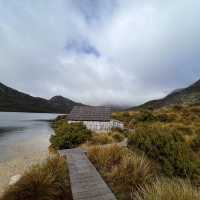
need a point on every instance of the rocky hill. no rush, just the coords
(185, 96)
(15, 101)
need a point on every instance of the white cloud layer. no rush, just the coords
(99, 51)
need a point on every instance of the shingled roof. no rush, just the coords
(90, 113)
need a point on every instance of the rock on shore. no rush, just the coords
(18, 165)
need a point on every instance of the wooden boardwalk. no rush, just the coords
(86, 183)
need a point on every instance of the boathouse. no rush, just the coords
(95, 118)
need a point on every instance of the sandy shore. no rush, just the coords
(18, 166)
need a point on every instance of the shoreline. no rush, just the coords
(19, 165)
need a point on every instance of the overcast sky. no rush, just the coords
(99, 51)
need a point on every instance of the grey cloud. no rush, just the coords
(96, 52)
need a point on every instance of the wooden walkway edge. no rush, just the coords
(86, 182)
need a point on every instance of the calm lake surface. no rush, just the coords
(21, 133)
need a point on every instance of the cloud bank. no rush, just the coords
(99, 51)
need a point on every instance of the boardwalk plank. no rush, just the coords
(86, 182)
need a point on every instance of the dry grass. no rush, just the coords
(105, 158)
(168, 190)
(106, 138)
(123, 170)
(133, 172)
(101, 138)
(48, 181)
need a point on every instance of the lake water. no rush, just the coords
(22, 133)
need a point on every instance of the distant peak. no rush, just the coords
(60, 99)
(57, 97)
(197, 82)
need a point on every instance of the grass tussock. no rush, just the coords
(105, 158)
(123, 170)
(132, 172)
(106, 138)
(48, 181)
(168, 190)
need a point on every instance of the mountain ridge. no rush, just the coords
(184, 96)
(12, 100)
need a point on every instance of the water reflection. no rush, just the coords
(21, 133)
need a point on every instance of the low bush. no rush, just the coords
(69, 135)
(195, 145)
(163, 117)
(118, 137)
(197, 129)
(168, 190)
(101, 138)
(145, 116)
(177, 107)
(167, 147)
(49, 181)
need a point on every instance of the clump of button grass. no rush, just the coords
(123, 170)
(167, 189)
(105, 158)
(132, 172)
(47, 181)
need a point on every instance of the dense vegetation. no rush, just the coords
(69, 135)
(170, 138)
(47, 181)
(133, 176)
(168, 147)
(14, 101)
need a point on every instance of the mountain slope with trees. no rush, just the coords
(12, 100)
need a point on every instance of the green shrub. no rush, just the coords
(168, 190)
(118, 137)
(168, 147)
(163, 117)
(69, 135)
(49, 181)
(177, 107)
(197, 130)
(145, 116)
(196, 143)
